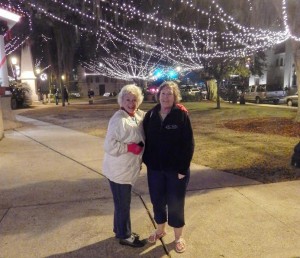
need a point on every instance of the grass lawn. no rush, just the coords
(248, 140)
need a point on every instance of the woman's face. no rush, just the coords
(129, 103)
(166, 97)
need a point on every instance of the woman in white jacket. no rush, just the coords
(123, 148)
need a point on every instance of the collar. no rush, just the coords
(130, 114)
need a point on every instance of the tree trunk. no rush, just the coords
(65, 44)
(218, 95)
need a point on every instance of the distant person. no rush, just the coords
(123, 148)
(169, 148)
(91, 96)
(91, 93)
(40, 95)
(66, 95)
(56, 94)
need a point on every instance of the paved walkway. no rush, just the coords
(54, 202)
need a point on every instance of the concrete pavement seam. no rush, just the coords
(5, 213)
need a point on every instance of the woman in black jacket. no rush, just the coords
(168, 152)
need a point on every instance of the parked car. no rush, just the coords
(193, 91)
(75, 94)
(190, 90)
(291, 100)
(231, 92)
(203, 91)
(260, 94)
(191, 94)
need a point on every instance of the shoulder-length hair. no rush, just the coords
(172, 85)
(133, 89)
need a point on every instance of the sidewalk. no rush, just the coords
(54, 202)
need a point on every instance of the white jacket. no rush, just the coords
(119, 165)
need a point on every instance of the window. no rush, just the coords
(281, 61)
(294, 78)
(261, 88)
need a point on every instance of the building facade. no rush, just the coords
(99, 84)
(280, 69)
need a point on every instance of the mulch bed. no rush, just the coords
(273, 125)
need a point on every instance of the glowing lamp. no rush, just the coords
(158, 73)
(172, 74)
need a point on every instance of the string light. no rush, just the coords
(128, 68)
(16, 42)
(10, 48)
(131, 35)
(188, 51)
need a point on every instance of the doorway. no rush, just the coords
(101, 89)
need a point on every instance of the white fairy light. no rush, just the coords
(236, 41)
(128, 68)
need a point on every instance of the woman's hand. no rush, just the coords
(134, 148)
(180, 176)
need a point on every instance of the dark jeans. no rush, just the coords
(122, 199)
(167, 194)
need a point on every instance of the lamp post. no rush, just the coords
(43, 78)
(38, 86)
(62, 89)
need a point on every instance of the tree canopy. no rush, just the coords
(192, 34)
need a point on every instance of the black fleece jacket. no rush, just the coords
(169, 144)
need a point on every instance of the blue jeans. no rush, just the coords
(167, 193)
(122, 199)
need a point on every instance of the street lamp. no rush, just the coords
(178, 68)
(62, 89)
(15, 67)
(39, 90)
(14, 60)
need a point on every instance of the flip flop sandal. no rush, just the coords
(180, 245)
(154, 236)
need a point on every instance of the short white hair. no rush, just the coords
(133, 89)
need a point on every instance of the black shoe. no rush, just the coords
(137, 236)
(136, 242)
